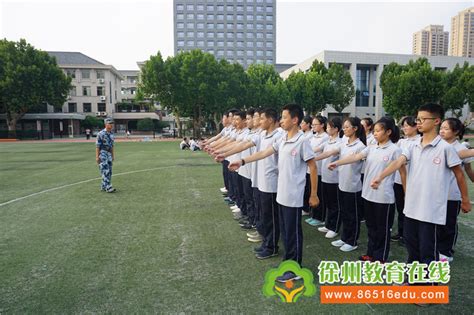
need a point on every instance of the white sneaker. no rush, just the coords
(323, 229)
(303, 213)
(330, 234)
(234, 207)
(223, 190)
(445, 258)
(338, 243)
(348, 248)
(236, 210)
(253, 234)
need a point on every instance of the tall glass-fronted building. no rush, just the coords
(240, 31)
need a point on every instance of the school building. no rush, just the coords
(365, 69)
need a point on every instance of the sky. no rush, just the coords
(122, 32)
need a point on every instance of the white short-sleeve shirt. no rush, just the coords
(267, 169)
(292, 157)
(428, 180)
(316, 141)
(377, 158)
(254, 149)
(238, 135)
(349, 175)
(246, 170)
(454, 192)
(403, 144)
(328, 176)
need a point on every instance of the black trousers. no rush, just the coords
(236, 189)
(270, 221)
(307, 192)
(362, 210)
(240, 195)
(258, 210)
(400, 203)
(378, 218)
(319, 213)
(292, 233)
(420, 241)
(448, 234)
(225, 173)
(333, 209)
(248, 198)
(351, 203)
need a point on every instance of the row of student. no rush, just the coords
(427, 231)
(193, 144)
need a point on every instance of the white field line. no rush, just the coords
(81, 182)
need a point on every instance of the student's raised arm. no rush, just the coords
(326, 154)
(464, 154)
(461, 180)
(348, 159)
(239, 147)
(390, 169)
(252, 158)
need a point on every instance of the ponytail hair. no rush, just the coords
(369, 122)
(456, 126)
(360, 132)
(308, 120)
(388, 123)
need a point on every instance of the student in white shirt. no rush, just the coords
(380, 203)
(451, 129)
(330, 179)
(308, 133)
(350, 184)
(184, 144)
(294, 155)
(432, 163)
(319, 137)
(408, 126)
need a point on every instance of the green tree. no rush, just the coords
(454, 95)
(28, 78)
(145, 124)
(261, 80)
(92, 122)
(341, 90)
(296, 84)
(466, 83)
(406, 87)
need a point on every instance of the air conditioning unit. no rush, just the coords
(103, 114)
(69, 98)
(98, 114)
(101, 81)
(103, 98)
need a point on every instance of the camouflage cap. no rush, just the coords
(109, 121)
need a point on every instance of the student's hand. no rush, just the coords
(375, 183)
(235, 165)
(219, 158)
(97, 159)
(332, 166)
(466, 206)
(313, 201)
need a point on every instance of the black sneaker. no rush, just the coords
(258, 249)
(396, 238)
(287, 276)
(246, 226)
(111, 190)
(265, 254)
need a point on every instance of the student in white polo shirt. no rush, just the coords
(330, 179)
(350, 184)
(451, 129)
(294, 155)
(408, 126)
(319, 137)
(305, 126)
(379, 203)
(432, 161)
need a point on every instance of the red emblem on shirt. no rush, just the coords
(436, 160)
(294, 152)
(385, 158)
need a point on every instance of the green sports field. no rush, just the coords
(164, 243)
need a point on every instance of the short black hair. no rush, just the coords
(242, 114)
(233, 111)
(250, 111)
(308, 119)
(432, 108)
(270, 113)
(295, 111)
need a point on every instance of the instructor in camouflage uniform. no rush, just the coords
(104, 155)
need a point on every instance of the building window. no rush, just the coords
(240, 53)
(101, 107)
(362, 86)
(259, 9)
(230, 17)
(230, 53)
(230, 35)
(210, 26)
(180, 43)
(260, 44)
(200, 7)
(269, 35)
(259, 17)
(220, 17)
(250, 44)
(240, 26)
(259, 53)
(210, 7)
(190, 7)
(190, 34)
(249, 53)
(200, 16)
(100, 90)
(269, 18)
(200, 25)
(200, 34)
(269, 9)
(72, 91)
(230, 8)
(230, 44)
(220, 8)
(240, 35)
(269, 27)
(87, 107)
(220, 35)
(190, 25)
(190, 16)
(190, 43)
(220, 26)
(180, 7)
(210, 35)
(250, 26)
(260, 35)
(210, 44)
(240, 44)
(259, 26)
(269, 53)
(85, 74)
(249, 62)
(240, 8)
(220, 44)
(210, 51)
(86, 91)
(249, 35)
(220, 53)
(249, 17)
(210, 17)
(71, 73)
(269, 61)
(240, 17)
(269, 44)
(230, 26)
(180, 25)
(180, 34)
(249, 8)
(72, 107)
(180, 16)
(200, 43)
